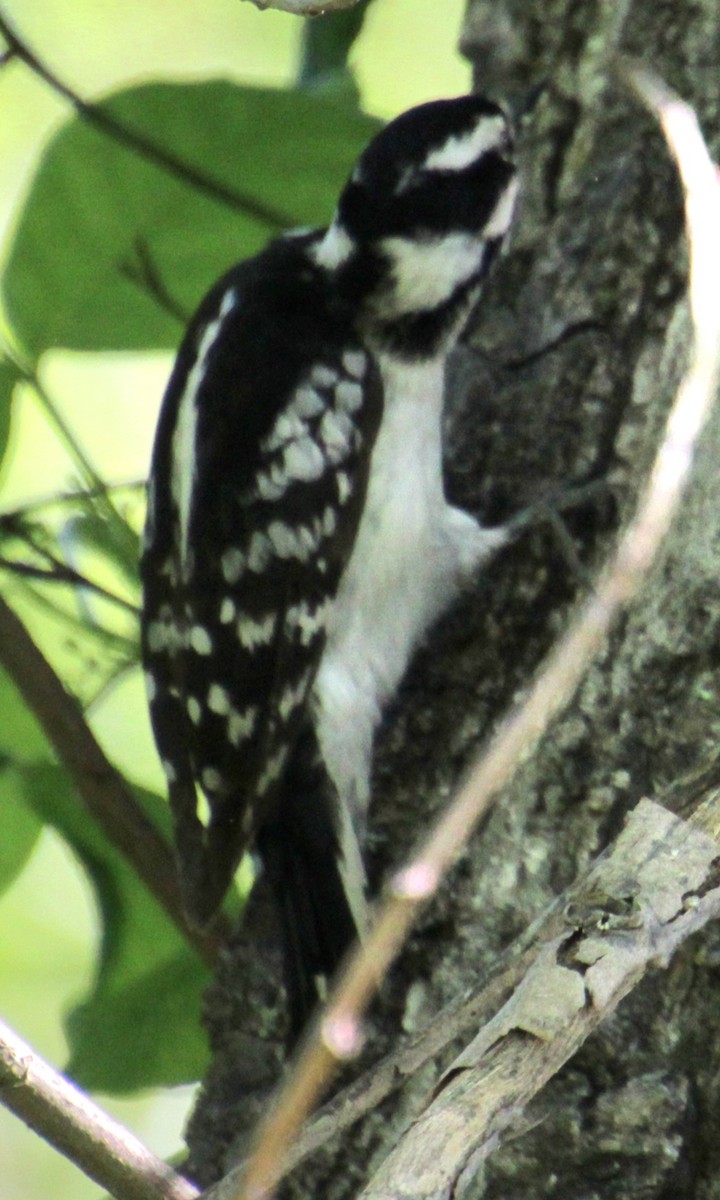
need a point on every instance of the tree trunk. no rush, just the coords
(570, 363)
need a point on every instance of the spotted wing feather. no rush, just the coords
(257, 482)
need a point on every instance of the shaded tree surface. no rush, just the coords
(569, 366)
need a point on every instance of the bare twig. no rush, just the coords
(337, 1035)
(60, 572)
(79, 496)
(139, 144)
(305, 8)
(69, 1121)
(100, 786)
(144, 273)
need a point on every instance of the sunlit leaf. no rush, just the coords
(112, 251)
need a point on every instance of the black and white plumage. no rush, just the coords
(298, 541)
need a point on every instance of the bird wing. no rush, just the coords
(257, 483)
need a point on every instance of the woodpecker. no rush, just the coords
(298, 542)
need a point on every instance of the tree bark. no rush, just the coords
(570, 362)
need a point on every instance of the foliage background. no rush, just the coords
(48, 921)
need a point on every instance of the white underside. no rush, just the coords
(410, 556)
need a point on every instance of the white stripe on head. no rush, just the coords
(459, 152)
(501, 216)
(424, 274)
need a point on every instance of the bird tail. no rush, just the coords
(312, 865)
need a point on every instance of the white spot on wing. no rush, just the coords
(355, 362)
(349, 395)
(308, 619)
(271, 486)
(231, 564)
(308, 539)
(241, 724)
(288, 427)
(322, 376)
(194, 710)
(156, 638)
(227, 611)
(303, 460)
(293, 696)
(329, 521)
(336, 431)
(298, 543)
(211, 779)
(307, 402)
(256, 631)
(260, 553)
(344, 486)
(218, 700)
(284, 539)
(200, 640)
(170, 772)
(273, 769)
(166, 635)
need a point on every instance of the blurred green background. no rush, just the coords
(404, 55)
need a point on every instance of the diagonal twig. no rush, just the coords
(100, 786)
(337, 1034)
(79, 1129)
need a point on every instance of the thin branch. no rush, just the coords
(305, 8)
(99, 785)
(337, 1035)
(139, 144)
(145, 275)
(74, 497)
(60, 573)
(69, 1121)
(62, 429)
(106, 505)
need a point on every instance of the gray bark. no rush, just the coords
(572, 359)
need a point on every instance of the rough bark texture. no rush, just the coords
(577, 348)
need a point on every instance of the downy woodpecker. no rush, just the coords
(298, 541)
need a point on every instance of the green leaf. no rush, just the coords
(113, 252)
(147, 1033)
(20, 828)
(9, 377)
(21, 741)
(140, 948)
